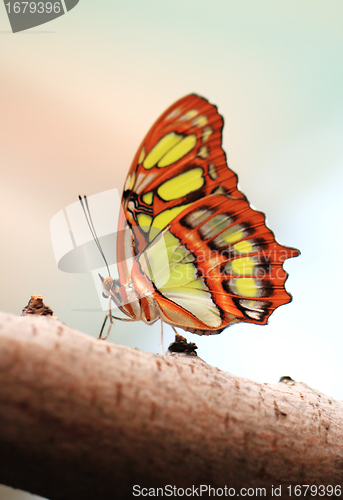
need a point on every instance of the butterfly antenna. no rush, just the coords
(86, 211)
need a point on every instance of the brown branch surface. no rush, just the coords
(84, 419)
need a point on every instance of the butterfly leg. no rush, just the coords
(111, 320)
(175, 330)
(109, 315)
(103, 326)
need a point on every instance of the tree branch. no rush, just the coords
(84, 419)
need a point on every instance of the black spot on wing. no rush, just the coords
(257, 311)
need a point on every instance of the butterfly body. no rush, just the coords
(191, 251)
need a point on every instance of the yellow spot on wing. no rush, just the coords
(162, 220)
(203, 152)
(162, 147)
(144, 222)
(190, 114)
(200, 121)
(243, 246)
(243, 265)
(232, 234)
(148, 198)
(207, 132)
(246, 287)
(178, 151)
(212, 171)
(141, 156)
(182, 184)
(220, 190)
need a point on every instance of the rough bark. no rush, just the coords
(84, 419)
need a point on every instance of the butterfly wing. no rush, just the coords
(180, 161)
(217, 264)
(189, 235)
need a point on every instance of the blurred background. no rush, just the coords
(77, 96)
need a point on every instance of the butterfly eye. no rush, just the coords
(107, 283)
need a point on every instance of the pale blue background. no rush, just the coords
(77, 96)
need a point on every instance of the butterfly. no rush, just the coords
(190, 249)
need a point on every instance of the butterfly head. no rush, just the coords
(111, 288)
